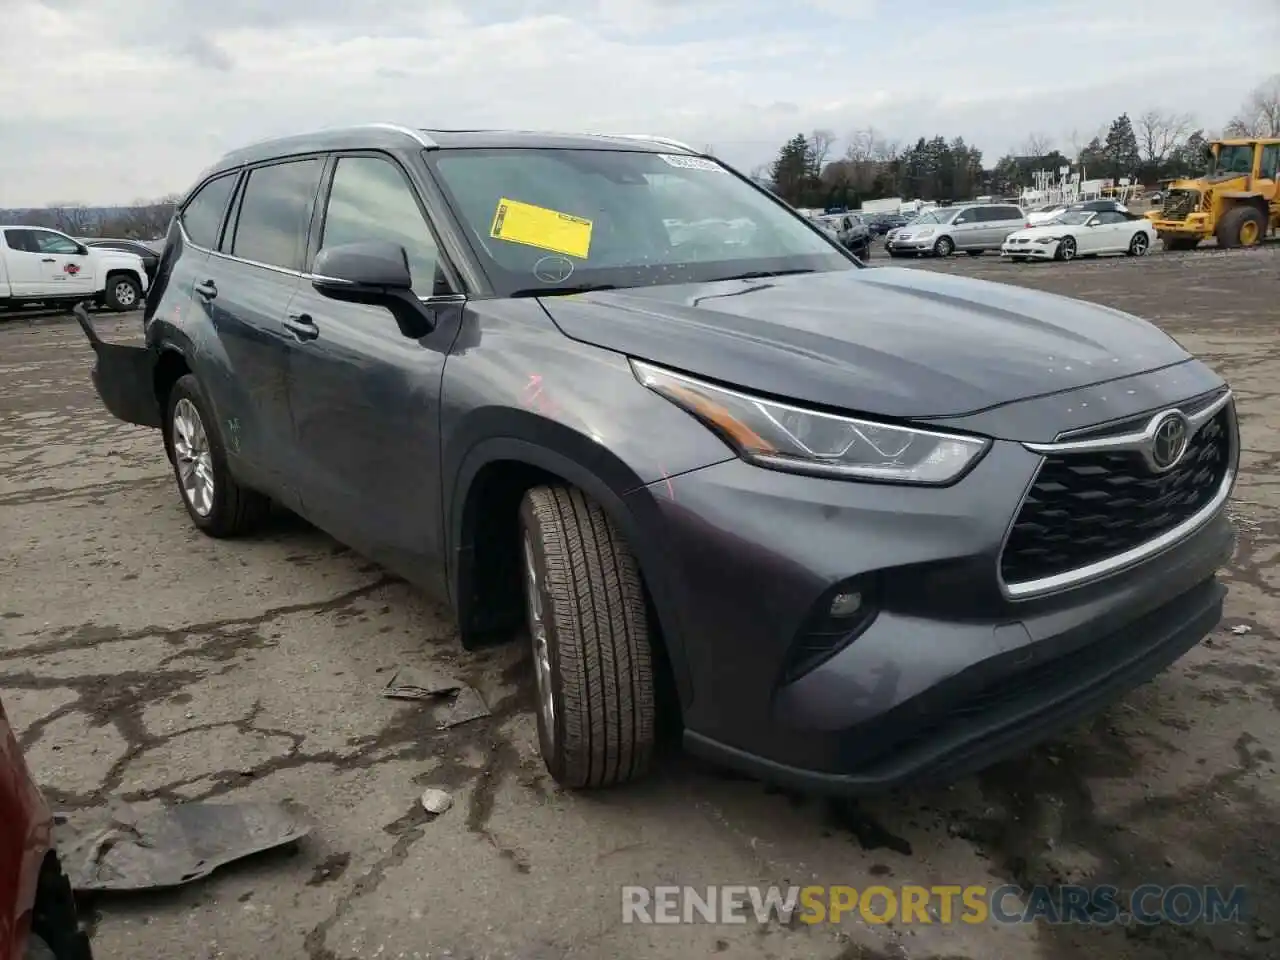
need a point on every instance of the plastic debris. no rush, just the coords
(436, 801)
(1240, 628)
(466, 705)
(420, 685)
(120, 848)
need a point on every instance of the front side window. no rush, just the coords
(275, 213)
(202, 217)
(371, 200)
(540, 218)
(48, 242)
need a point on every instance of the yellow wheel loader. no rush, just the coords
(1237, 201)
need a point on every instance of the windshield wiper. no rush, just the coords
(765, 274)
(565, 290)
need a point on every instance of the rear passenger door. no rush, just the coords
(244, 289)
(365, 397)
(1004, 221)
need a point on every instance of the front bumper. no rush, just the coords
(1032, 251)
(950, 674)
(913, 245)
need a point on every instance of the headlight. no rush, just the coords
(784, 437)
(1047, 239)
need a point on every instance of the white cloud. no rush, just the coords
(142, 94)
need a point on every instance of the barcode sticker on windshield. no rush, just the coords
(692, 163)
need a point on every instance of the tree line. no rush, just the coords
(1154, 146)
(141, 220)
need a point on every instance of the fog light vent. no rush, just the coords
(838, 617)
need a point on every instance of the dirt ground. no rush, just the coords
(142, 661)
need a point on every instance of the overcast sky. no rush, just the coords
(106, 101)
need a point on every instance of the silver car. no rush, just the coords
(973, 228)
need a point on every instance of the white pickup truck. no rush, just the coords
(39, 265)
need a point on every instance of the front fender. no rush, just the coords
(603, 477)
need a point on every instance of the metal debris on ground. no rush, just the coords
(436, 801)
(121, 849)
(1240, 629)
(467, 704)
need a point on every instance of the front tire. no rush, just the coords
(123, 293)
(217, 504)
(589, 628)
(944, 247)
(1066, 249)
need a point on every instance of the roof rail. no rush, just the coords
(668, 141)
(417, 135)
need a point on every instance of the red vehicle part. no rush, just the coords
(37, 911)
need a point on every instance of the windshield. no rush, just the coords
(541, 218)
(1234, 158)
(1073, 217)
(933, 216)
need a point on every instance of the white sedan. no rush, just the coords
(1081, 233)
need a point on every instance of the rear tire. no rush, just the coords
(223, 508)
(975, 253)
(593, 663)
(1241, 227)
(123, 293)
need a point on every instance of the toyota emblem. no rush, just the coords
(1169, 441)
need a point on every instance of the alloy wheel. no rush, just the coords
(193, 457)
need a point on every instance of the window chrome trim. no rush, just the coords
(1043, 586)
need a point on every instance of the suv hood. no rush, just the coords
(889, 341)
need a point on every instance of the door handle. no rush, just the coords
(48, 260)
(301, 326)
(207, 289)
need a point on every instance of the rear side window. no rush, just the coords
(275, 213)
(1009, 213)
(202, 216)
(21, 240)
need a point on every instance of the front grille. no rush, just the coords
(1087, 507)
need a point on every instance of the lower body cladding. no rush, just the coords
(849, 637)
(1031, 250)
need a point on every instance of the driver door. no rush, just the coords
(365, 397)
(1109, 232)
(66, 268)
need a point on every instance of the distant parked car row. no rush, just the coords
(1054, 232)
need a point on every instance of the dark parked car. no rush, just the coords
(858, 518)
(882, 223)
(149, 252)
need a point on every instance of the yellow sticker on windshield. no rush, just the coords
(539, 227)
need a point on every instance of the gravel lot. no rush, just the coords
(143, 661)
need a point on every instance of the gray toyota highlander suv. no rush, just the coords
(872, 525)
